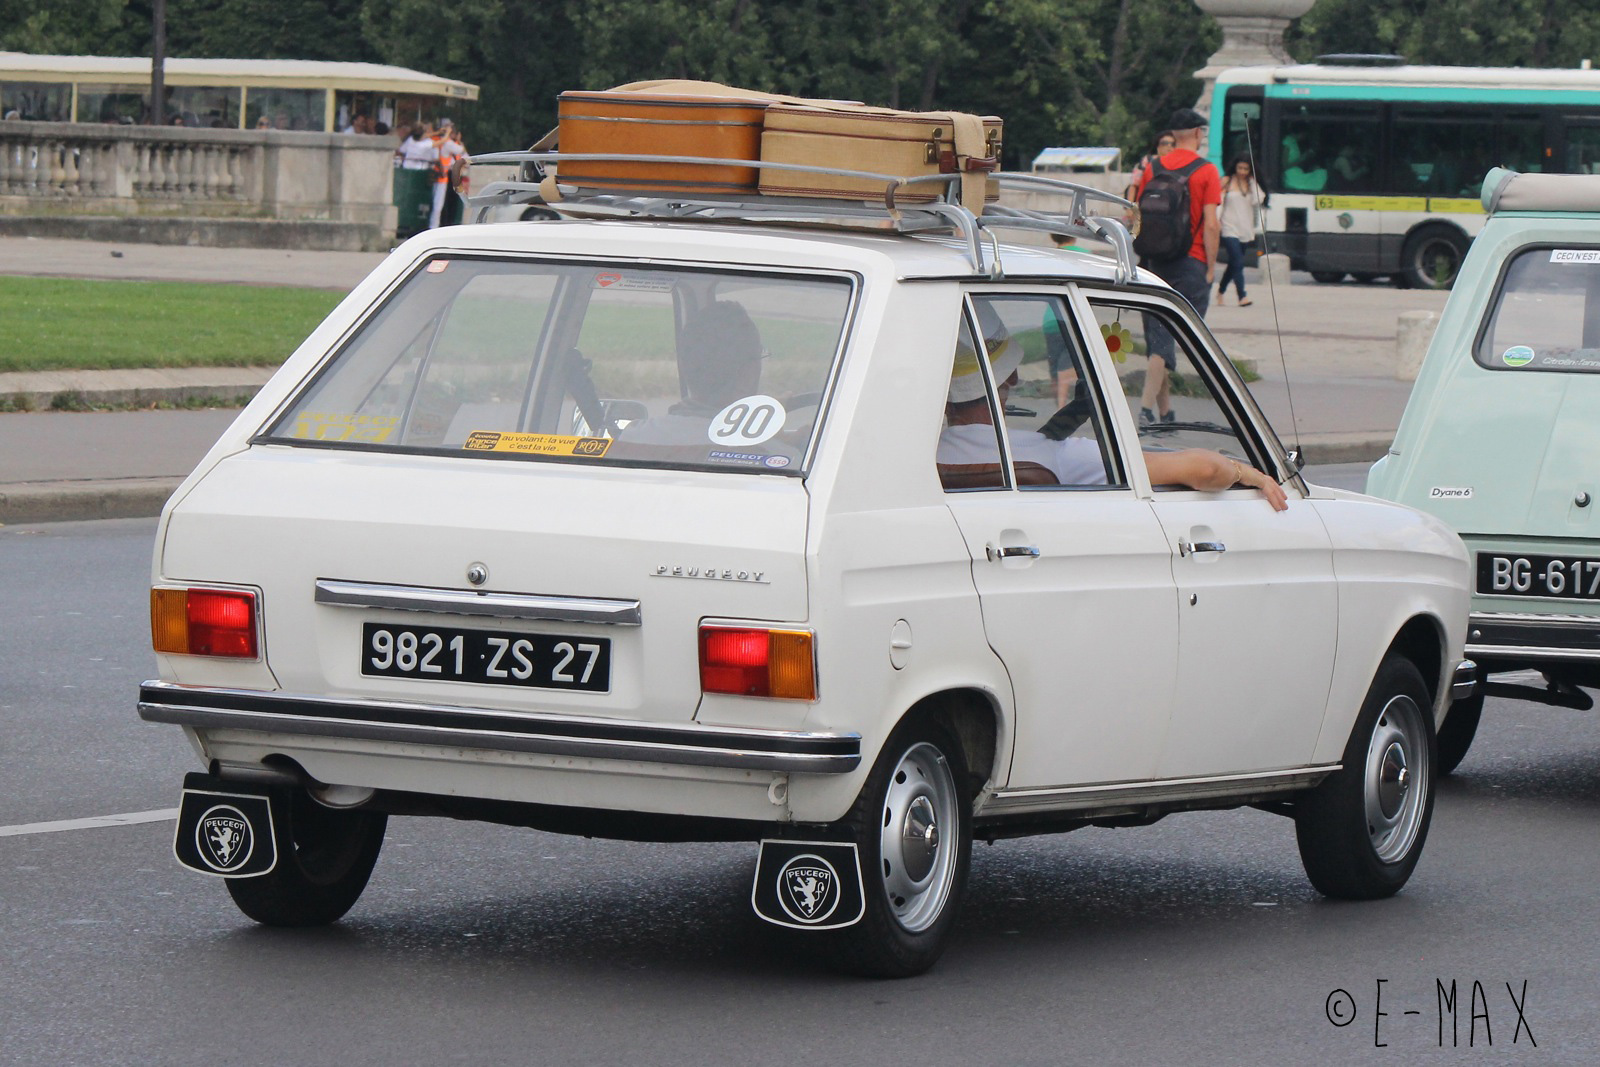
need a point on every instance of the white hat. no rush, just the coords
(966, 378)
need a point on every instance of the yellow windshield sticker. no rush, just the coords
(536, 444)
(1372, 203)
(330, 426)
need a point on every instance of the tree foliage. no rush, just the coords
(1483, 33)
(1058, 71)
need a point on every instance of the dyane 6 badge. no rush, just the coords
(808, 885)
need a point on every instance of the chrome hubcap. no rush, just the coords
(1397, 771)
(920, 840)
(916, 840)
(1393, 779)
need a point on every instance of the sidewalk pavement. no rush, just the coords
(1333, 344)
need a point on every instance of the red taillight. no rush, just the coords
(203, 622)
(760, 663)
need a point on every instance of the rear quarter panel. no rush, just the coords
(883, 547)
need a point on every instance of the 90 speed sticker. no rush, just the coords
(749, 420)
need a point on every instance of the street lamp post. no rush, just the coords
(158, 61)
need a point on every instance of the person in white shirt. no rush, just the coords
(969, 437)
(417, 152)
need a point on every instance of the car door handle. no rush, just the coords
(1194, 548)
(996, 552)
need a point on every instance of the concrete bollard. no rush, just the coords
(1411, 337)
(1276, 264)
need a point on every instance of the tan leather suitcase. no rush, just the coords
(643, 123)
(902, 143)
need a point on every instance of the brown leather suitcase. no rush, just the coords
(660, 124)
(902, 143)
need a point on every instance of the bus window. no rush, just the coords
(1583, 149)
(287, 109)
(112, 103)
(1521, 144)
(37, 101)
(1241, 131)
(1327, 148)
(1441, 153)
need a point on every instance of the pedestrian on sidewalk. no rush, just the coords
(1242, 200)
(1178, 196)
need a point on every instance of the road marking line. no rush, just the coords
(127, 818)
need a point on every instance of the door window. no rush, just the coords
(1169, 388)
(1044, 392)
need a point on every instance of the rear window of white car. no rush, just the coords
(1545, 315)
(583, 363)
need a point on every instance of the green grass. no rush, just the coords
(70, 324)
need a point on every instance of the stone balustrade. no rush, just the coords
(59, 171)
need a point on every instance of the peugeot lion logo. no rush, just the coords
(223, 838)
(808, 889)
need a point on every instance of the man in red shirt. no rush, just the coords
(1190, 275)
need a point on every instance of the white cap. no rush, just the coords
(966, 378)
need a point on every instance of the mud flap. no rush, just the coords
(225, 829)
(809, 885)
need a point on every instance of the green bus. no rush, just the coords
(1374, 166)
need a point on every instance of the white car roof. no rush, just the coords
(906, 257)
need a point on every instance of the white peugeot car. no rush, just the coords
(680, 524)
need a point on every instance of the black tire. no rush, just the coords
(1362, 829)
(918, 789)
(1327, 277)
(1460, 727)
(324, 860)
(1432, 257)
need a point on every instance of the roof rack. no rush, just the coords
(941, 215)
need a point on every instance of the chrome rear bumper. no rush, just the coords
(1464, 682)
(1526, 636)
(692, 744)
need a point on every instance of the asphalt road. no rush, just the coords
(1195, 941)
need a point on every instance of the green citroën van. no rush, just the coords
(1501, 439)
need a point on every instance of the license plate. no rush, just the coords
(488, 657)
(1564, 577)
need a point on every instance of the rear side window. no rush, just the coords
(1545, 315)
(583, 363)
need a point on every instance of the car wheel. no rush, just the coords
(1327, 277)
(1460, 727)
(913, 826)
(1362, 829)
(1432, 257)
(324, 860)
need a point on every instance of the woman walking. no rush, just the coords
(1242, 197)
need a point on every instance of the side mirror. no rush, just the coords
(1297, 461)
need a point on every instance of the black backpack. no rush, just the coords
(1165, 230)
